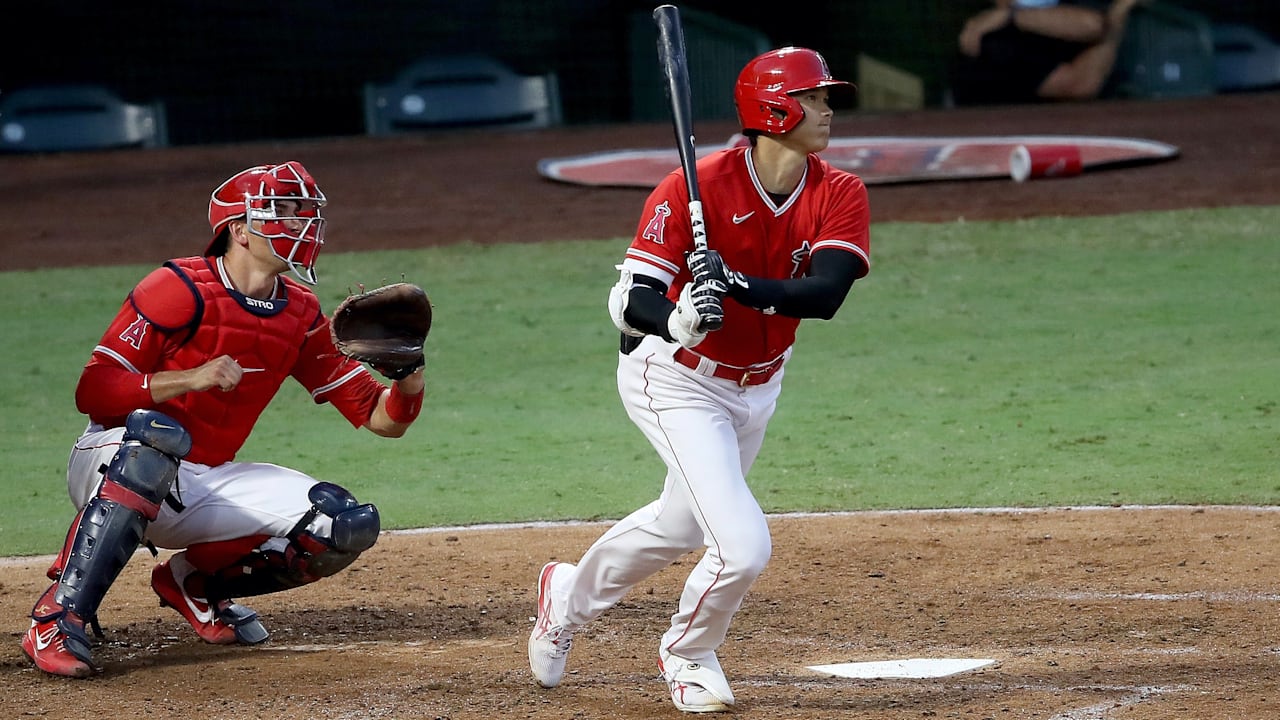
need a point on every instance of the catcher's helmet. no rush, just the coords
(286, 201)
(767, 83)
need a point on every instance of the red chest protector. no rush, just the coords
(263, 336)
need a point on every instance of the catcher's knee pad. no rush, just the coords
(353, 528)
(112, 524)
(314, 549)
(147, 462)
(159, 431)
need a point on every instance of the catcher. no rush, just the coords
(172, 390)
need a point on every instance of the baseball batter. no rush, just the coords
(789, 236)
(172, 391)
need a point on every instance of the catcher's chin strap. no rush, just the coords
(302, 556)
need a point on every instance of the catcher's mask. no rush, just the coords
(768, 82)
(280, 203)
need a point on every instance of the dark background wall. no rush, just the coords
(235, 70)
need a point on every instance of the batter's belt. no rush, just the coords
(744, 376)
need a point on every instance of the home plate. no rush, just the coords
(912, 668)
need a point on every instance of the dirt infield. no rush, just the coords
(1091, 613)
(1112, 613)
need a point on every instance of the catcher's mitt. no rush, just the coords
(385, 327)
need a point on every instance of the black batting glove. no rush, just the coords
(706, 265)
(709, 266)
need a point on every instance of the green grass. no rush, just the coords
(1124, 359)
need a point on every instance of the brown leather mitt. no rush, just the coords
(385, 327)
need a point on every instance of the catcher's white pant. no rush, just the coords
(230, 501)
(707, 431)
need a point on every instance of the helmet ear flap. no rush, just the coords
(768, 82)
(778, 113)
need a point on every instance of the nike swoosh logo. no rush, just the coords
(739, 219)
(45, 639)
(158, 426)
(204, 615)
(146, 382)
(199, 607)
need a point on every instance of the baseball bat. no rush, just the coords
(675, 70)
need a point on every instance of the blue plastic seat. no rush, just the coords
(76, 117)
(461, 91)
(1167, 52)
(1244, 58)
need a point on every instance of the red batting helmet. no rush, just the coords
(768, 82)
(294, 230)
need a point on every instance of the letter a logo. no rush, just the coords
(136, 331)
(654, 230)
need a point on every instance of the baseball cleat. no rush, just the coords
(550, 641)
(696, 687)
(45, 644)
(56, 641)
(222, 623)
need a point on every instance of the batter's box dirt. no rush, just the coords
(1089, 613)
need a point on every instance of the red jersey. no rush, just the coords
(756, 234)
(187, 313)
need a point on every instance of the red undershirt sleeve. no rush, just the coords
(106, 391)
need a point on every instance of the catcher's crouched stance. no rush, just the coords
(172, 391)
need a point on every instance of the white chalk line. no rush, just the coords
(869, 513)
(1217, 597)
(1133, 694)
(536, 524)
(1103, 710)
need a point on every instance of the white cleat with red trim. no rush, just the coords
(550, 641)
(696, 686)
